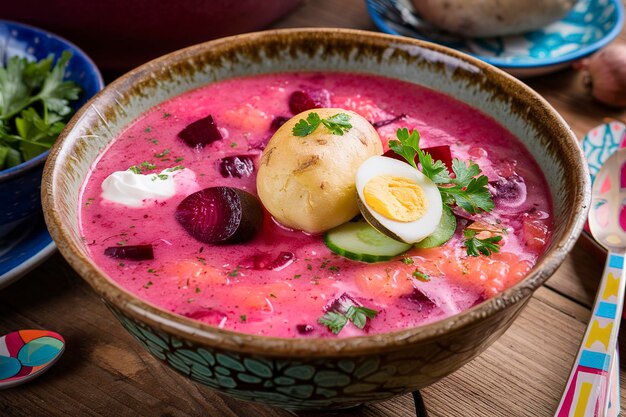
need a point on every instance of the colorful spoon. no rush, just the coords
(26, 354)
(588, 386)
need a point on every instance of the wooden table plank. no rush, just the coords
(105, 372)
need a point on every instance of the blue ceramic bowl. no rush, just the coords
(20, 185)
(589, 26)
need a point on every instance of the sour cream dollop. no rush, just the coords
(135, 190)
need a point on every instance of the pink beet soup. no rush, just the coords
(282, 281)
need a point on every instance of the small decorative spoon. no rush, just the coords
(26, 354)
(587, 388)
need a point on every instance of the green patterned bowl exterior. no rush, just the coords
(315, 373)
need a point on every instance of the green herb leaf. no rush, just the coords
(34, 104)
(358, 315)
(420, 276)
(468, 191)
(407, 145)
(477, 246)
(306, 127)
(337, 124)
(334, 321)
(435, 170)
(162, 154)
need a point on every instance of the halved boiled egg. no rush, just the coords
(397, 199)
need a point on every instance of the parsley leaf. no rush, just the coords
(407, 145)
(435, 170)
(358, 315)
(477, 246)
(337, 124)
(34, 105)
(334, 321)
(306, 127)
(468, 191)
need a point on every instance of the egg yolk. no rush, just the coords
(396, 198)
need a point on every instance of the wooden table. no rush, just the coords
(105, 372)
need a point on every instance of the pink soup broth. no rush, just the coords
(279, 283)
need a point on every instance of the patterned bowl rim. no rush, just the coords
(549, 121)
(40, 159)
(579, 53)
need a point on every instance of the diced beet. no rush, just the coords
(277, 123)
(441, 153)
(420, 300)
(392, 154)
(133, 252)
(304, 328)
(267, 261)
(207, 315)
(236, 166)
(342, 303)
(220, 215)
(386, 122)
(509, 192)
(201, 133)
(300, 101)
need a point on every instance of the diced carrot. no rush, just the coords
(389, 283)
(535, 233)
(193, 273)
(248, 118)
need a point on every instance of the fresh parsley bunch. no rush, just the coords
(467, 189)
(34, 106)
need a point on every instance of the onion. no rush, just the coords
(606, 75)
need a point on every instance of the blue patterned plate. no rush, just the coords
(588, 27)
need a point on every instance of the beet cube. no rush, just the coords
(134, 252)
(236, 166)
(200, 133)
(300, 101)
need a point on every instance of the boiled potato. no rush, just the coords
(482, 18)
(308, 183)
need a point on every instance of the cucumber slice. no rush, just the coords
(361, 242)
(444, 231)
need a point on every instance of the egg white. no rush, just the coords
(409, 232)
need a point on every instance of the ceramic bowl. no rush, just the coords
(589, 26)
(19, 185)
(305, 373)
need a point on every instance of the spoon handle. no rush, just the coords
(588, 384)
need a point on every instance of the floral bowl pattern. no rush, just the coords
(317, 373)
